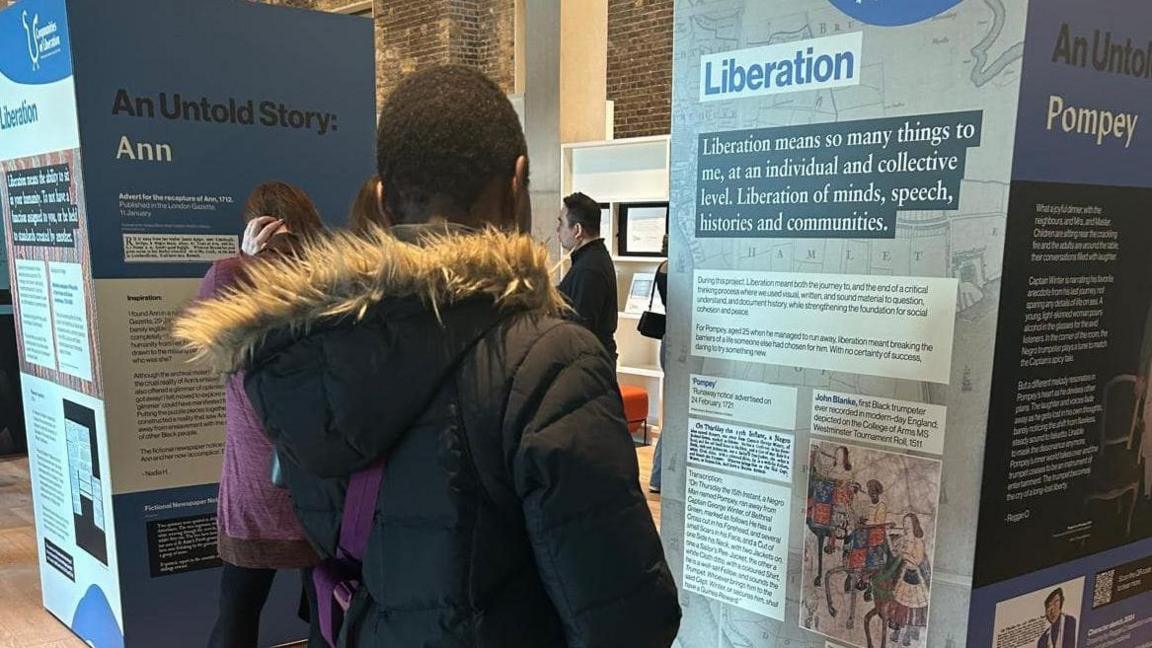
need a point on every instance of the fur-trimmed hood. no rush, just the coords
(344, 276)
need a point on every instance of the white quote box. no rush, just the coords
(743, 401)
(895, 327)
(34, 304)
(896, 424)
(746, 450)
(736, 541)
(70, 319)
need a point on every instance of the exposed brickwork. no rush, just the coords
(416, 33)
(640, 66)
(497, 57)
(410, 35)
(413, 34)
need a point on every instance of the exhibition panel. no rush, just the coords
(908, 357)
(125, 163)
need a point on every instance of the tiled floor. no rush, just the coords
(23, 622)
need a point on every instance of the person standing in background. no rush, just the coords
(590, 285)
(257, 528)
(662, 288)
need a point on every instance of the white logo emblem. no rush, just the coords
(44, 39)
(30, 29)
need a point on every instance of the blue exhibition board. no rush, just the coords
(1078, 230)
(239, 95)
(131, 133)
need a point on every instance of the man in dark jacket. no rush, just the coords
(510, 513)
(590, 285)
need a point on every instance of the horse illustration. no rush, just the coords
(866, 553)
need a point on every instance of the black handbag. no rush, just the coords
(652, 324)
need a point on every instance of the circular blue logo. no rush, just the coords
(892, 13)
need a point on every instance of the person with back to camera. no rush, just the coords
(509, 512)
(590, 284)
(258, 532)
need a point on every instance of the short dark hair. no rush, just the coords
(583, 210)
(1058, 592)
(444, 134)
(288, 203)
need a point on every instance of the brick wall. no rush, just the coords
(416, 33)
(640, 66)
(413, 34)
(409, 35)
(497, 28)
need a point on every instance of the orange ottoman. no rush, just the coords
(635, 408)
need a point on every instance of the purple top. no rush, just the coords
(251, 508)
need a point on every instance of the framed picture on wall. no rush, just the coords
(642, 228)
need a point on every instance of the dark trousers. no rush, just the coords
(243, 593)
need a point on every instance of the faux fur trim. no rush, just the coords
(344, 275)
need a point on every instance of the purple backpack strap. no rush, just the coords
(359, 511)
(337, 579)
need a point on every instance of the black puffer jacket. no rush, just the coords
(510, 513)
